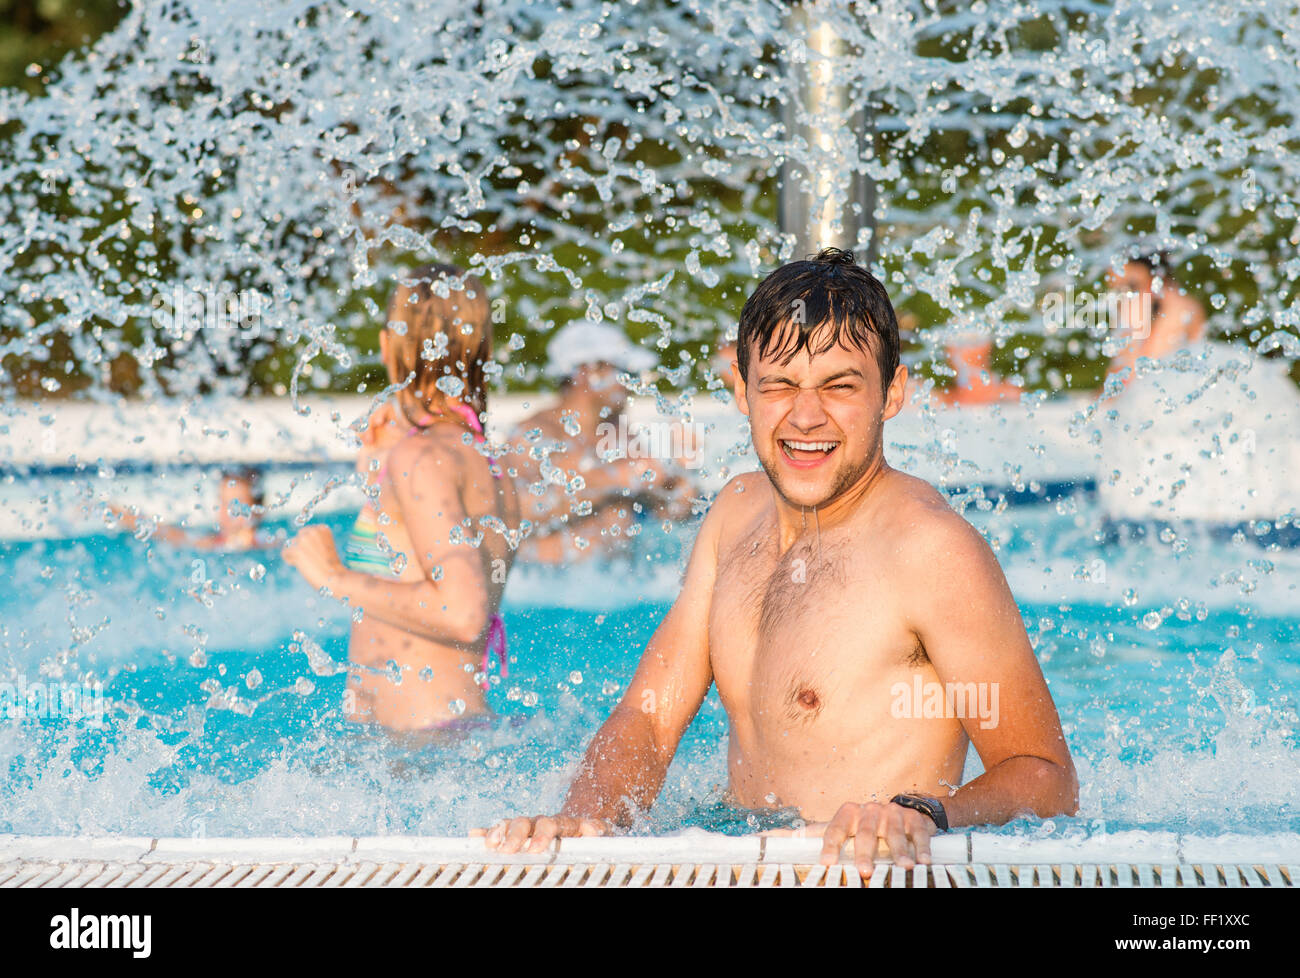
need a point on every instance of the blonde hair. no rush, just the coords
(444, 337)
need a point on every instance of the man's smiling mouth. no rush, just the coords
(800, 450)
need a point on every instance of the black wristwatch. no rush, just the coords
(926, 806)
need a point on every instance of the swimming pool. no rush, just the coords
(1171, 658)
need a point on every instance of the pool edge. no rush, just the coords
(964, 859)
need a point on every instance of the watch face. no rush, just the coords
(928, 806)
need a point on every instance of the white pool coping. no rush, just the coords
(693, 859)
(1156, 848)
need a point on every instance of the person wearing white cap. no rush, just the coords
(584, 344)
(969, 353)
(556, 446)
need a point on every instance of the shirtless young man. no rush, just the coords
(818, 590)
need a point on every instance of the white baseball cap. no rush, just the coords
(584, 342)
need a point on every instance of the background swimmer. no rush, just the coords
(239, 517)
(430, 602)
(558, 445)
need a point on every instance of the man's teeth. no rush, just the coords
(811, 446)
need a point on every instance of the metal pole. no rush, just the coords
(824, 201)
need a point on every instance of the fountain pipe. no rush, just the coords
(824, 201)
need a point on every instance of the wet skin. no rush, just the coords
(813, 589)
(432, 619)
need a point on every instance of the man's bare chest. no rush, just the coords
(800, 630)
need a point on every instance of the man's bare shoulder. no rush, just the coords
(929, 533)
(737, 505)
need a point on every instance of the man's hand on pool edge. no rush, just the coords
(513, 834)
(904, 831)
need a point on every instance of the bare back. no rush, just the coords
(468, 528)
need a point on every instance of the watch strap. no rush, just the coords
(932, 807)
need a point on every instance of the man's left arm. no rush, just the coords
(961, 608)
(968, 622)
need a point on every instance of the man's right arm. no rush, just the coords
(627, 761)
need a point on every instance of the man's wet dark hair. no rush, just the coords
(828, 290)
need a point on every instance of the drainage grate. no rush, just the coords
(23, 873)
(689, 859)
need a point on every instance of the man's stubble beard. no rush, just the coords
(845, 477)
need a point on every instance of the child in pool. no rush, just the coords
(239, 517)
(430, 598)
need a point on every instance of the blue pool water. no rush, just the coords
(1174, 660)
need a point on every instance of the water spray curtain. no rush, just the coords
(620, 162)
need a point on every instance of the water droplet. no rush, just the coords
(449, 385)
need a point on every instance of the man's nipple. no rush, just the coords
(808, 699)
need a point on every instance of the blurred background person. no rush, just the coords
(239, 517)
(583, 484)
(969, 354)
(428, 557)
(1155, 314)
(724, 363)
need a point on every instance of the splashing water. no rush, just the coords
(215, 197)
(619, 161)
